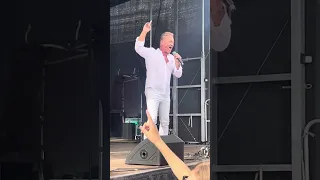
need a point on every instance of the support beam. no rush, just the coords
(101, 140)
(187, 86)
(150, 16)
(203, 82)
(252, 168)
(187, 115)
(297, 87)
(315, 161)
(175, 102)
(252, 78)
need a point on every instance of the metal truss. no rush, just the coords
(252, 78)
(175, 85)
(297, 79)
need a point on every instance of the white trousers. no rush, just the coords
(158, 104)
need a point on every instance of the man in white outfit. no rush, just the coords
(220, 23)
(160, 64)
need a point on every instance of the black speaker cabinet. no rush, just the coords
(128, 131)
(145, 153)
(115, 125)
(14, 170)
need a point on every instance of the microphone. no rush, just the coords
(180, 60)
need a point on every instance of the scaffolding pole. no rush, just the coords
(297, 87)
(142, 89)
(213, 115)
(175, 80)
(297, 78)
(203, 83)
(202, 86)
(150, 6)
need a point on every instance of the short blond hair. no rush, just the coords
(163, 35)
(202, 171)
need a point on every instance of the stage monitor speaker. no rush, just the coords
(145, 153)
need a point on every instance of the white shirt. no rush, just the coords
(158, 71)
(221, 35)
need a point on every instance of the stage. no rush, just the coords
(119, 149)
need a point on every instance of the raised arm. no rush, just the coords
(220, 24)
(139, 45)
(216, 11)
(179, 168)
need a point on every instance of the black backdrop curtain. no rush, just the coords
(20, 118)
(72, 85)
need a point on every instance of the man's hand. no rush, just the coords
(147, 27)
(177, 62)
(145, 30)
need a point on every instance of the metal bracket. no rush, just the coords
(190, 121)
(187, 114)
(307, 86)
(305, 59)
(252, 168)
(187, 86)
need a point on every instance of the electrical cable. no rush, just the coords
(26, 34)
